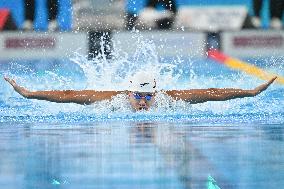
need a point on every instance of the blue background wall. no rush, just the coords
(134, 6)
(17, 9)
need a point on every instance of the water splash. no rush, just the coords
(101, 73)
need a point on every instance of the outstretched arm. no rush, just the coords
(65, 96)
(202, 95)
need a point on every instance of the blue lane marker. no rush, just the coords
(211, 183)
(55, 182)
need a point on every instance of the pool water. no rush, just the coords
(107, 145)
(140, 155)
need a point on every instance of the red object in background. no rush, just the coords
(6, 20)
(4, 13)
(217, 55)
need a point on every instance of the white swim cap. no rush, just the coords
(143, 82)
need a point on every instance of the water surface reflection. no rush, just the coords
(141, 155)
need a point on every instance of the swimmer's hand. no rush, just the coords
(21, 90)
(263, 87)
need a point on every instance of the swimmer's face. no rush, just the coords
(141, 101)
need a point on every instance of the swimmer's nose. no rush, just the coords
(142, 103)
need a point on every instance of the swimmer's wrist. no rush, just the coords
(26, 93)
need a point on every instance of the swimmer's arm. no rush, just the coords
(65, 96)
(213, 94)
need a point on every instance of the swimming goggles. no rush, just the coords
(139, 96)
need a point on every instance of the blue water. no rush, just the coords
(106, 145)
(140, 155)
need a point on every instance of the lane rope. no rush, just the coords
(243, 66)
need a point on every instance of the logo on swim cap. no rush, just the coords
(143, 82)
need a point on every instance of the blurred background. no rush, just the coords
(114, 12)
(97, 20)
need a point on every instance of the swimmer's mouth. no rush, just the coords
(142, 108)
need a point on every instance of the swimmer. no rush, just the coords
(141, 93)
